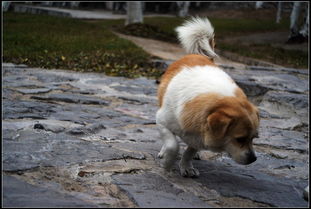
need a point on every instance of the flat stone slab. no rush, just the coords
(72, 98)
(34, 148)
(250, 184)
(34, 91)
(18, 109)
(89, 140)
(151, 190)
(18, 193)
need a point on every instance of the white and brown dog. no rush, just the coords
(202, 105)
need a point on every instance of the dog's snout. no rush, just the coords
(251, 157)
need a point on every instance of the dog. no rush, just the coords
(202, 105)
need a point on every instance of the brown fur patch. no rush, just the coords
(218, 124)
(239, 93)
(195, 112)
(188, 60)
(211, 112)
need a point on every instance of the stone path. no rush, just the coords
(88, 140)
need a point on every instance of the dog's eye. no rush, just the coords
(241, 140)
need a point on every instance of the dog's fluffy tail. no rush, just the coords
(197, 36)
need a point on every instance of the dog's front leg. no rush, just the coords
(185, 165)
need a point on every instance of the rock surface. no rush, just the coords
(89, 140)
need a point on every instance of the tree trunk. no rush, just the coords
(258, 4)
(296, 35)
(305, 28)
(278, 13)
(183, 8)
(74, 4)
(294, 18)
(46, 3)
(5, 5)
(109, 5)
(134, 12)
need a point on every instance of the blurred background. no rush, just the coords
(118, 38)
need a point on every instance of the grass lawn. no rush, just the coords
(65, 43)
(84, 45)
(276, 55)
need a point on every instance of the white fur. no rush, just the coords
(189, 83)
(195, 35)
(186, 85)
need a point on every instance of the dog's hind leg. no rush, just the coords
(170, 148)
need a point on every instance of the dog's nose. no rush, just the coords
(251, 157)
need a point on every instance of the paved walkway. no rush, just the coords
(173, 52)
(88, 140)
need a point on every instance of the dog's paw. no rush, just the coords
(189, 172)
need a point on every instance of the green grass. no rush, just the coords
(55, 42)
(234, 27)
(276, 55)
(84, 45)
(164, 30)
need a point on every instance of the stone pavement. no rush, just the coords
(75, 139)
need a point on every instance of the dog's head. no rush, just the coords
(231, 128)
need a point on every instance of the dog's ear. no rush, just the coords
(255, 113)
(218, 124)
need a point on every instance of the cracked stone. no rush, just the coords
(34, 91)
(35, 148)
(72, 98)
(89, 129)
(17, 193)
(283, 139)
(27, 109)
(151, 190)
(95, 142)
(230, 181)
(42, 77)
(286, 124)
